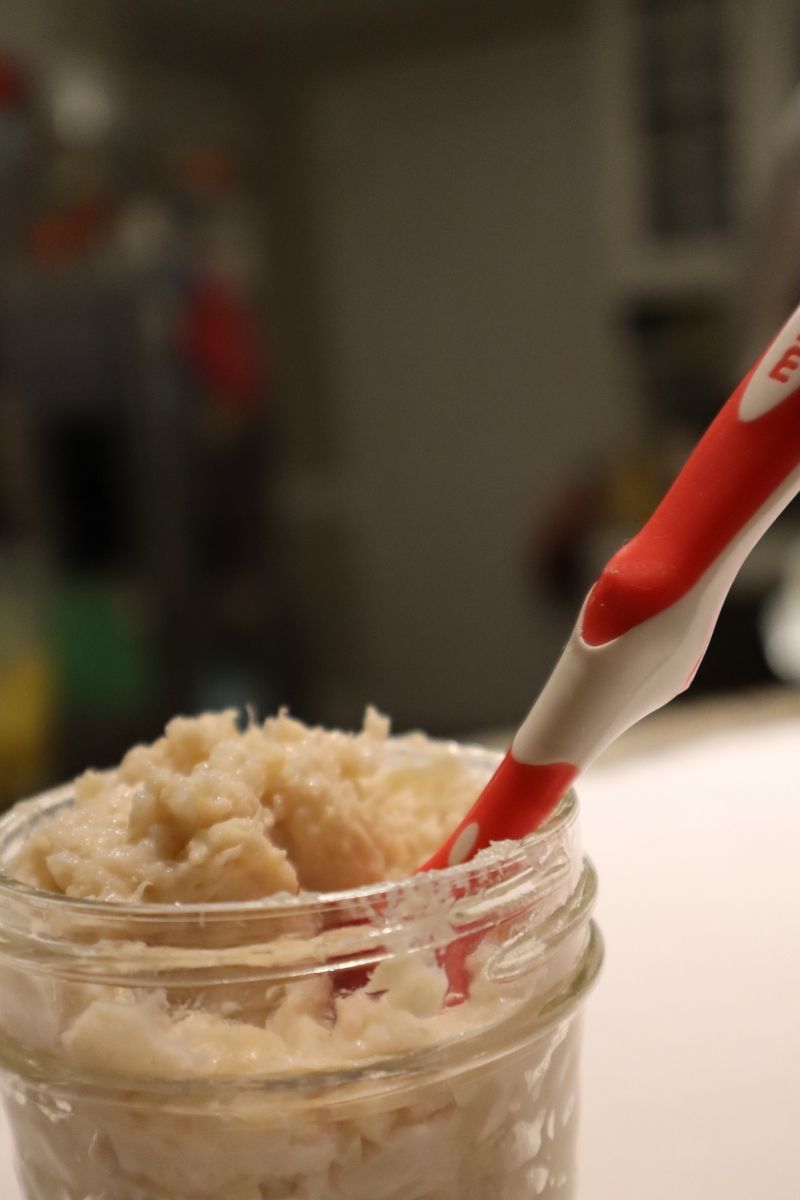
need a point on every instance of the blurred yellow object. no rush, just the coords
(633, 488)
(26, 719)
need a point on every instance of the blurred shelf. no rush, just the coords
(251, 25)
(704, 267)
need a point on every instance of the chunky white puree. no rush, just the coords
(210, 813)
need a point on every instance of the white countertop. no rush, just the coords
(691, 1083)
(692, 1051)
(8, 1185)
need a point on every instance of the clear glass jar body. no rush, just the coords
(230, 1052)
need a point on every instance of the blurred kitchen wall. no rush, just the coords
(344, 341)
(470, 365)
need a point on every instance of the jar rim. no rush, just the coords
(476, 871)
(493, 884)
(382, 1074)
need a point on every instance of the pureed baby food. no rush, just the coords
(219, 979)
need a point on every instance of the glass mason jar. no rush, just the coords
(311, 1047)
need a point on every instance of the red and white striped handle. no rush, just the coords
(647, 621)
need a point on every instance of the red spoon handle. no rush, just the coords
(647, 621)
(737, 468)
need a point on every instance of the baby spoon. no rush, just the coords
(646, 623)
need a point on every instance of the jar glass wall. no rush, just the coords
(412, 1041)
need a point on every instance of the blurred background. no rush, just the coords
(342, 341)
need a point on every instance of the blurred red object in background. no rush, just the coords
(223, 341)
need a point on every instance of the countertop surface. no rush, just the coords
(691, 1085)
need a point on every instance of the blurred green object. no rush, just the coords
(101, 649)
